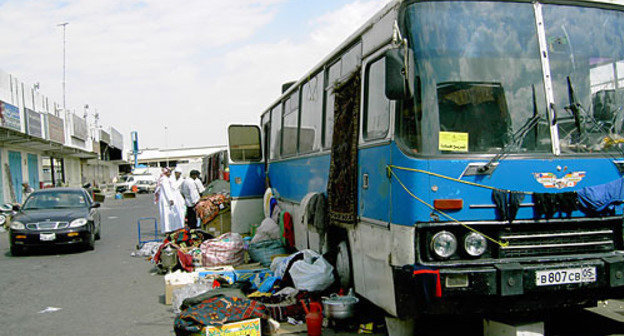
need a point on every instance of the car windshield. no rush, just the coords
(55, 200)
(586, 51)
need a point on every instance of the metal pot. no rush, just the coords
(168, 258)
(340, 307)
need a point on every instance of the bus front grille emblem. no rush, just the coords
(550, 180)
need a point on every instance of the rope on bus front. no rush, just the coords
(501, 244)
(390, 167)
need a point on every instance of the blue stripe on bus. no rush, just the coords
(385, 200)
(293, 179)
(511, 174)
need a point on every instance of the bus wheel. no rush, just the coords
(343, 265)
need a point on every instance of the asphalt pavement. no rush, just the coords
(71, 291)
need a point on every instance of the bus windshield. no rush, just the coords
(482, 80)
(586, 50)
(479, 67)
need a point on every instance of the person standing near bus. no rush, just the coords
(164, 194)
(176, 184)
(191, 192)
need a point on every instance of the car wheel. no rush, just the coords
(91, 242)
(98, 236)
(17, 251)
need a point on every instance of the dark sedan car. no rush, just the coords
(56, 216)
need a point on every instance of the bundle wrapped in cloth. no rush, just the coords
(208, 206)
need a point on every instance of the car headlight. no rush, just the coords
(17, 226)
(78, 222)
(444, 244)
(2, 219)
(475, 244)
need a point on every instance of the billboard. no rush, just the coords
(116, 139)
(33, 123)
(80, 130)
(56, 129)
(10, 116)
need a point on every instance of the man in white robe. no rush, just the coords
(176, 184)
(169, 214)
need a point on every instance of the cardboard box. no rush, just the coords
(177, 280)
(169, 291)
(222, 272)
(241, 328)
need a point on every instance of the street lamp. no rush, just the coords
(64, 25)
(167, 154)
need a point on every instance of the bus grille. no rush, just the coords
(579, 238)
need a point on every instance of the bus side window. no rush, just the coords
(377, 105)
(266, 129)
(276, 128)
(331, 76)
(290, 124)
(311, 115)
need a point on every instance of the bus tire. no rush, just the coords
(344, 268)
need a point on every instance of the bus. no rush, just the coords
(470, 152)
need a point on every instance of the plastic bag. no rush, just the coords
(225, 250)
(313, 273)
(279, 265)
(263, 251)
(268, 230)
(189, 291)
(148, 249)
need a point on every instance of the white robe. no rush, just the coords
(170, 219)
(176, 185)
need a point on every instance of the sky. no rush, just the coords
(178, 72)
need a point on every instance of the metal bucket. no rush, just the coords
(340, 307)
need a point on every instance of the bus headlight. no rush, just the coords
(444, 244)
(475, 244)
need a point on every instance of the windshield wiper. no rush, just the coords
(516, 138)
(576, 108)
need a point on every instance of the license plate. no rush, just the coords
(47, 236)
(565, 276)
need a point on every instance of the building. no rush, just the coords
(185, 158)
(45, 145)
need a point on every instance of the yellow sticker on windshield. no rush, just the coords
(453, 141)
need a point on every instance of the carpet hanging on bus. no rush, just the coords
(342, 184)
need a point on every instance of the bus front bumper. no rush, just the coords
(509, 286)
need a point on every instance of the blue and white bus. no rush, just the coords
(470, 153)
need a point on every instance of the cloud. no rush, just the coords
(193, 66)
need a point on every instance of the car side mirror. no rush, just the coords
(399, 73)
(96, 205)
(16, 207)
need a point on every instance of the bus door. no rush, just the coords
(247, 176)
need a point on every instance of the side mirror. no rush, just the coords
(16, 207)
(96, 205)
(399, 74)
